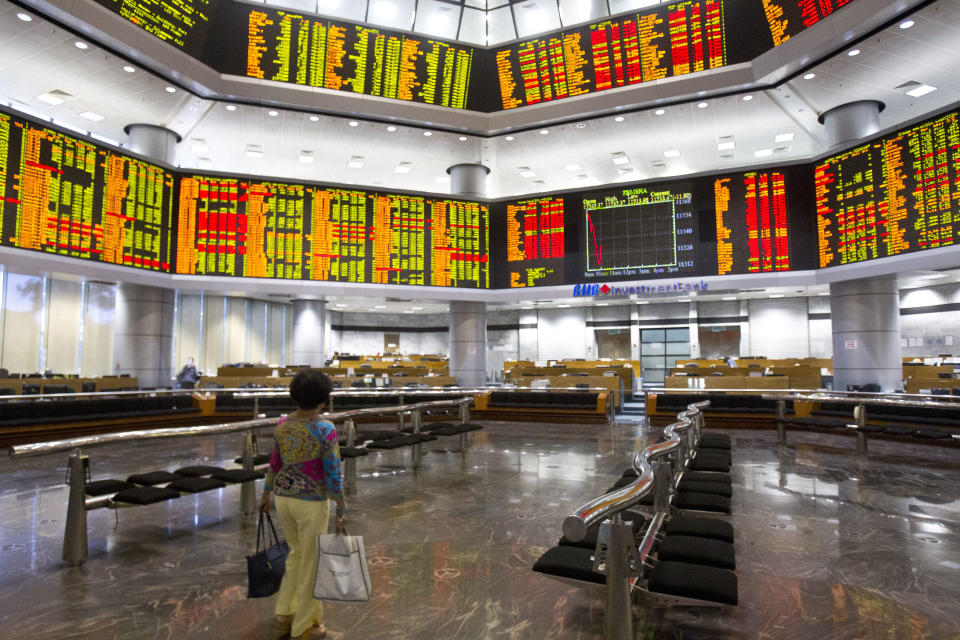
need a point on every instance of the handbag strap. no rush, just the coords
(265, 537)
(276, 538)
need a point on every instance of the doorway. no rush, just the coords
(716, 343)
(391, 343)
(613, 343)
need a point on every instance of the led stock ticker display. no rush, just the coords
(265, 229)
(68, 197)
(897, 194)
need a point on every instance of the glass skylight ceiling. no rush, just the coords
(479, 22)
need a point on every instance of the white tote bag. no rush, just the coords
(341, 569)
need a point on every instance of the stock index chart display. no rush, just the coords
(309, 50)
(65, 196)
(265, 229)
(897, 194)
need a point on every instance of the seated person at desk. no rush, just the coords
(731, 362)
(188, 376)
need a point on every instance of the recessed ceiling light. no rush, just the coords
(853, 52)
(379, 306)
(573, 167)
(563, 306)
(26, 17)
(385, 10)
(314, 118)
(824, 293)
(544, 132)
(619, 158)
(204, 163)
(906, 24)
(644, 302)
(703, 105)
(340, 304)
(671, 153)
(601, 304)
(462, 138)
(618, 119)
(306, 157)
(660, 112)
(416, 308)
(90, 115)
(809, 76)
(170, 89)
(79, 44)
(128, 68)
(508, 138)
(683, 299)
(528, 173)
(409, 311)
(922, 90)
(355, 162)
(747, 98)
(231, 107)
(729, 297)
(403, 167)
(272, 113)
(776, 295)
(391, 128)
(581, 125)
(783, 137)
(726, 146)
(254, 151)
(50, 98)
(199, 145)
(428, 133)
(762, 153)
(354, 123)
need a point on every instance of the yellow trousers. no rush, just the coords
(302, 522)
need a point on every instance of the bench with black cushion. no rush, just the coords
(695, 501)
(932, 434)
(259, 459)
(196, 484)
(236, 475)
(821, 421)
(723, 455)
(152, 478)
(7, 391)
(377, 436)
(705, 462)
(197, 471)
(715, 441)
(106, 487)
(450, 429)
(57, 388)
(695, 581)
(400, 440)
(898, 430)
(705, 551)
(146, 495)
(699, 527)
(707, 476)
(352, 452)
(569, 563)
(717, 488)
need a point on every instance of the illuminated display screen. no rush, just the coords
(535, 242)
(312, 51)
(751, 212)
(265, 229)
(182, 23)
(897, 194)
(786, 18)
(69, 197)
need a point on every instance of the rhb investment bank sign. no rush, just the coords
(651, 291)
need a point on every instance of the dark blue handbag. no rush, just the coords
(265, 567)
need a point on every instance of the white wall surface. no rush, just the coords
(778, 328)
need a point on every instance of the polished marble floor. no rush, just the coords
(829, 544)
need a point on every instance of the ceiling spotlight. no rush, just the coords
(428, 133)
(906, 24)
(403, 167)
(231, 107)
(671, 153)
(581, 125)
(747, 98)
(660, 112)
(353, 123)
(726, 146)
(853, 52)
(921, 90)
(79, 44)
(728, 298)
(306, 157)
(355, 162)
(272, 113)
(391, 128)
(128, 68)
(314, 118)
(573, 167)
(508, 138)
(92, 116)
(170, 89)
(619, 119)
(703, 105)
(26, 17)
(544, 132)
(809, 76)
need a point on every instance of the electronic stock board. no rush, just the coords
(284, 45)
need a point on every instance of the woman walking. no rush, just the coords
(304, 477)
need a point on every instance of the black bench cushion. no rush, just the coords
(897, 430)
(715, 441)
(146, 495)
(352, 452)
(377, 436)
(707, 476)
(258, 460)
(152, 478)
(700, 527)
(932, 434)
(694, 581)
(707, 463)
(196, 484)
(106, 487)
(712, 553)
(702, 502)
(197, 471)
(716, 488)
(236, 475)
(573, 563)
(716, 454)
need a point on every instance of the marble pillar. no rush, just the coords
(152, 141)
(865, 316)
(143, 334)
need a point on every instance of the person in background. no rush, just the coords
(731, 362)
(304, 477)
(188, 376)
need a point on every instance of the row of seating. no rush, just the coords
(144, 488)
(924, 423)
(39, 412)
(692, 558)
(386, 439)
(544, 399)
(739, 403)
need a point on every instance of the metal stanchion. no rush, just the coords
(661, 484)
(464, 437)
(256, 408)
(618, 611)
(75, 530)
(417, 448)
(350, 464)
(248, 498)
(781, 416)
(860, 415)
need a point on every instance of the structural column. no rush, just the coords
(308, 331)
(866, 333)
(852, 121)
(468, 320)
(152, 141)
(143, 334)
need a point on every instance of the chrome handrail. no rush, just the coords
(876, 399)
(41, 448)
